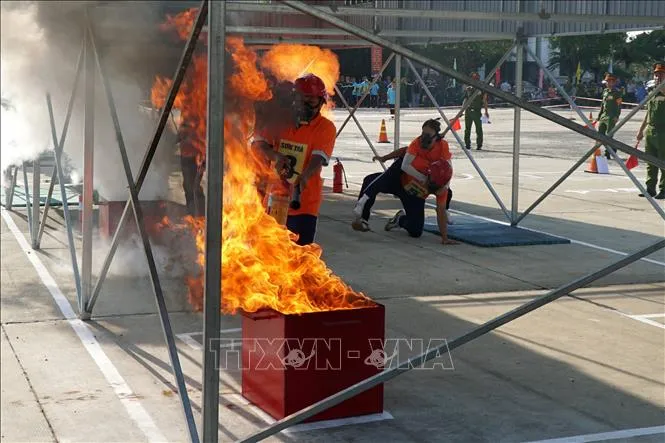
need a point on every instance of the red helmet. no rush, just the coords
(310, 84)
(440, 173)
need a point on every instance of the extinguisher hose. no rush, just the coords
(344, 172)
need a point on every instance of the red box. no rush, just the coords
(292, 361)
(154, 211)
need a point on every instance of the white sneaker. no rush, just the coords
(394, 221)
(360, 205)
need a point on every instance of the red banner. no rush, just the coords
(377, 59)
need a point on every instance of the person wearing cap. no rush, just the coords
(610, 107)
(653, 131)
(472, 114)
(300, 151)
(421, 169)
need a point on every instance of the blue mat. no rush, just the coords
(491, 235)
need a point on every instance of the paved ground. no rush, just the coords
(590, 363)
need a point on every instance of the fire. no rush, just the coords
(290, 61)
(261, 266)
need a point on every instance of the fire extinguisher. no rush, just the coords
(338, 170)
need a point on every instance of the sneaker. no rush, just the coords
(394, 221)
(660, 195)
(651, 192)
(360, 224)
(360, 205)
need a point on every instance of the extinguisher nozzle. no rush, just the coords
(295, 201)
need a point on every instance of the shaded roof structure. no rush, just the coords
(435, 21)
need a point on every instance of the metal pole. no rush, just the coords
(213, 226)
(10, 192)
(579, 112)
(138, 216)
(487, 80)
(445, 348)
(400, 50)
(398, 83)
(58, 147)
(47, 206)
(519, 66)
(36, 179)
(362, 131)
(88, 168)
(425, 13)
(63, 191)
(355, 108)
(460, 142)
(589, 152)
(27, 199)
(152, 147)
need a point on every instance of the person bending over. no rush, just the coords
(421, 169)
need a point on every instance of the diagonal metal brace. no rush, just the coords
(587, 154)
(152, 147)
(399, 49)
(586, 121)
(364, 96)
(154, 276)
(456, 135)
(58, 147)
(445, 348)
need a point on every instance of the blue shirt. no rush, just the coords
(375, 89)
(391, 95)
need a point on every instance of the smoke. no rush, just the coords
(41, 42)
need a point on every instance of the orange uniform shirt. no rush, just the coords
(423, 158)
(299, 144)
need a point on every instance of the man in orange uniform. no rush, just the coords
(300, 152)
(425, 169)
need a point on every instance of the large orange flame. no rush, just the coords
(261, 266)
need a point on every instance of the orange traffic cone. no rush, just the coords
(593, 123)
(383, 135)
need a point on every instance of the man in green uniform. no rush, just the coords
(472, 114)
(654, 122)
(610, 108)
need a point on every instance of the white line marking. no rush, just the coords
(651, 315)
(577, 242)
(189, 341)
(614, 435)
(641, 319)
(323, 424)
(122, 390)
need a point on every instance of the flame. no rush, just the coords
(261, 265)
(290, 61)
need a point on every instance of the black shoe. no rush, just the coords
(467, 147)
(651, 192)
(660, 195)
(479, 148)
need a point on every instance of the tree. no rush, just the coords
(644, 49)
(469, 55)
(592, 52)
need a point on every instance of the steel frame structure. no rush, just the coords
(214, 12)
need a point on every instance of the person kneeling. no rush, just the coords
(424, 169)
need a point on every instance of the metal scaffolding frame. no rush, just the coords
(524, 309)
(214, 12)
